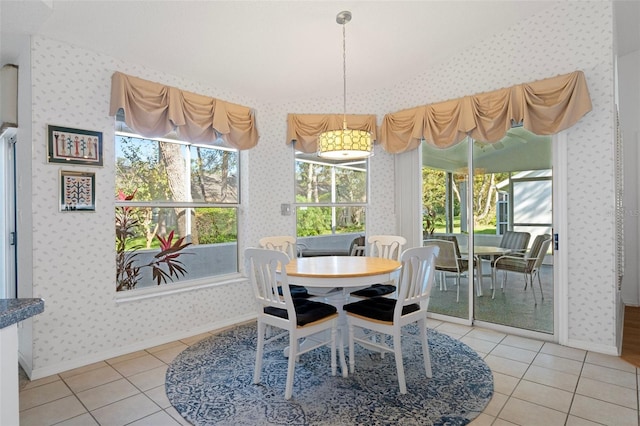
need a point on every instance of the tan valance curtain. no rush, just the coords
(305, 128)
(544, 107)
(153, 110)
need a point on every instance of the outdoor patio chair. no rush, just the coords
(449, 259)
(529, 265)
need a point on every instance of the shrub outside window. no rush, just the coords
(176, 211)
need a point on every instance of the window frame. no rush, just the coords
(334, 205)
(183, 283)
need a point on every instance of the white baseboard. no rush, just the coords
(593, 347)
(38, 373)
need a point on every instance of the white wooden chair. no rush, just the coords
(286, 244)
(283, 243)
(387, 316)
(388, 247)
(300, 318)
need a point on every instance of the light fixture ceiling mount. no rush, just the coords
(344, 143)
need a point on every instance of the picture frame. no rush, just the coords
(74, 146)
(77, 191)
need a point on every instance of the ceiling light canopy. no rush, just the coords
(344, 143)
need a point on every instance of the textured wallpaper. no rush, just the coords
(74, 254)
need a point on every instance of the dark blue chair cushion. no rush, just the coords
(378, 308)
(307, 311)
(375, 290)
(297, 292)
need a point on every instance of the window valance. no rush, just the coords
(153, 110)
(544, 107)
(305, 128)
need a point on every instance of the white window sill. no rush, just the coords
(174, 288)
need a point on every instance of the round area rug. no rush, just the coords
(210, 383)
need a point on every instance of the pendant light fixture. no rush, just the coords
(344, 143)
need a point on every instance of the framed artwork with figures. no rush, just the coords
(74, 146)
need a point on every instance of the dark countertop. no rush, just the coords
(13, 311)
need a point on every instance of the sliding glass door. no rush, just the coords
(508, 196)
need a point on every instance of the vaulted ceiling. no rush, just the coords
(276, 49)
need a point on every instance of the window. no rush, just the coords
(331, 200)
(176, 211)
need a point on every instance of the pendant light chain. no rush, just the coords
(344, 75)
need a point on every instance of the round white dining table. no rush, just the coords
(325, 273)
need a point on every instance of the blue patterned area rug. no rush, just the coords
(210, 383)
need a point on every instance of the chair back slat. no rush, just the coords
(283, 243)
(540, 246)
(261, 267)
(416, 278)
(516, 241)
(386, 246)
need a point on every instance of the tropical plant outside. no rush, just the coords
(128, 269)
(165, 177)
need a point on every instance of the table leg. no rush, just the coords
(478, 276)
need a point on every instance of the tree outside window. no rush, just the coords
(176, 211)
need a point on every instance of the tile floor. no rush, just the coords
(536, 383)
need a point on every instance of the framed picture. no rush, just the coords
(77, 191)
(74, 146)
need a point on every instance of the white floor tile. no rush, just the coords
(137, 365)
(577, 421)
(149, 379)
(42, 394)
(157, 419)
(52, 412)
(608, 392)
(159, 396)
(478, 345)
(92, 378)
(495, 405)
(503, 383)
(528, 414)
(558, 363)
(603, 412)
(553, 378)
(514, 353)
(482, 420)
(610, 375)
(106, 394)
(549, 397)
(610, 361)
(506, 366)
(563, 351)
(125, 411)
(523, 343)
(484, 334)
